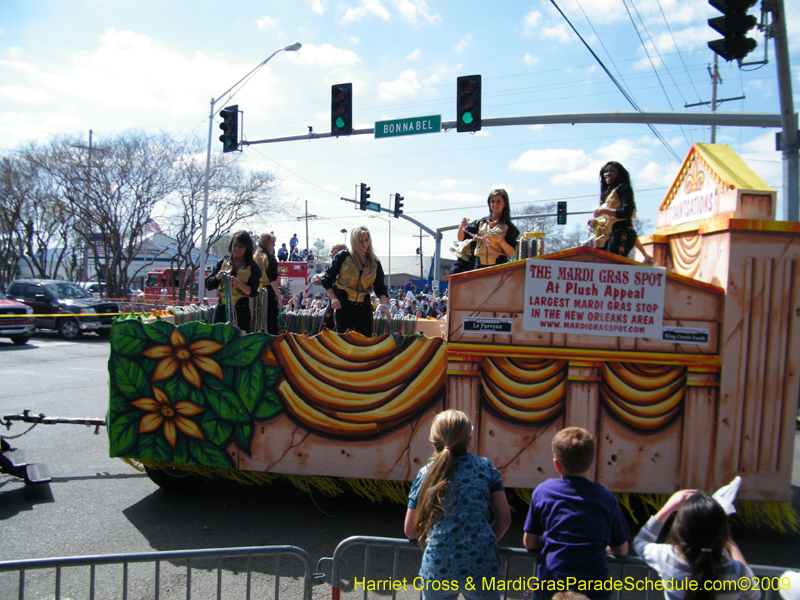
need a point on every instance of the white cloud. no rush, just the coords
(531, 23)
(440, 75)
(366, 8)
(325, 56)
(24, 94)
(463, 44)
(355, 41)
(414, 55)
(415, 11)
(529, 59)
(538, 161)
(559, 32)
(405, 85)
(318, 6)
(448, 183)
(455, 197)
(267, 22)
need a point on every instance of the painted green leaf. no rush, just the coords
(244, 437)
(123, 429)
(271, 375)
(177, 389)
(209, 455)
(129, 378)
(128, 337)
(153, 446)
(159, 332)
(224, 402)
(197, 397)
(269, 406)
(250, 386)
(181, 453)
(217, 431)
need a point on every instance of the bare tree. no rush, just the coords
(112, 191)
(34, 220)
(235, 195)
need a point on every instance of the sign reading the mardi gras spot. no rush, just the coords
(594, 299)
(694, 206)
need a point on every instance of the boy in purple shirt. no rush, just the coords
(574, 521)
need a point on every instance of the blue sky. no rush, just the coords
(70, 66)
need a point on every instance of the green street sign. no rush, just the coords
(412, 126)
(374, 206)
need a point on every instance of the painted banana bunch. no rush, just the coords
(644, 397)
(355, 387)
(523, 390)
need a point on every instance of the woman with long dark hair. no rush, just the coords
(699, 549)
(349, 281)
(449, 513)
(613, 226)
(243, 274)
(495, 236)
(268, 264)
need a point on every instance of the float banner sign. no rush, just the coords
(412, 126)
(488, 325)
(694, 206)
(594, 299)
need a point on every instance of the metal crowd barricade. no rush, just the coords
(191, 558)
(524, 566)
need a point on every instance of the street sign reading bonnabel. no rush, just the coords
(412, 126)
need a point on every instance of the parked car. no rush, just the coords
(95, 289)
(64, 306)
(18, 329)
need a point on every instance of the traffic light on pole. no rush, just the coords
(561, 213)
(230, 128)
(468, 103)
(733, 25)
(342, 109)
(398, 205)
(364, 196)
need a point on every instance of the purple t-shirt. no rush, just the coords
(577, 519)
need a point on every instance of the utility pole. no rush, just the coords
(307, 217)
(715, 79)
(421, 274)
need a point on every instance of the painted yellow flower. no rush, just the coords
(187, 357)
(161, 412)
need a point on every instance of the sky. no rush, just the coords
(68, 66)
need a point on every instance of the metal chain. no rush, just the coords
(19, 435)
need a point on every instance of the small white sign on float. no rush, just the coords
(594, 299)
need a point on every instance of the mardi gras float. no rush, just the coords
(687, 373)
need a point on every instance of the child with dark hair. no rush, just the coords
(699, 549)
(574, 521)
(449, 514)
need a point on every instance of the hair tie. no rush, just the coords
(709, 550)
(447, 447)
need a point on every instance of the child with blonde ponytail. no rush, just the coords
(457, 511)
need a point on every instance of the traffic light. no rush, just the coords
(342, 109)
(398, 205)
(468, 103)
(364, 196)
(733, 25)
(230, 128)
(561, 213)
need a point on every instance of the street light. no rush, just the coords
(344, 233)
(201, 291)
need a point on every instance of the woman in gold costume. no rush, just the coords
(495, 235)
(613, 222)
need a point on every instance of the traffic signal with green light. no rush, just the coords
(398, 205)
(734, 24)
(230, 128)
(468, 103)
(561, 213)
(342, 109)
(364, 200)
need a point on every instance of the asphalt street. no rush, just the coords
(100, 505)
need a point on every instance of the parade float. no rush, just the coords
(687, 372)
